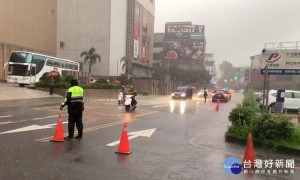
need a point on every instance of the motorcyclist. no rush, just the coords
(133, 93)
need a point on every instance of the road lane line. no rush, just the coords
(6, 116)
(34, 119)
(91, 129)
(6, 122)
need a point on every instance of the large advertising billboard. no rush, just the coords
(184, 41)
(284, 62)
(183, 31)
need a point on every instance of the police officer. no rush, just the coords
(205, 94)
(74, 100)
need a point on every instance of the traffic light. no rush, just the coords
(235, 78)
(225, 80)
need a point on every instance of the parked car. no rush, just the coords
(183, 92)
(220, 95)
(291, 100)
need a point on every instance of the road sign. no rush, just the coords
(145, 133)
(281, 62)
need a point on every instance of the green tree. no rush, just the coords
(227, 70)
(127, 64)
(90, 57)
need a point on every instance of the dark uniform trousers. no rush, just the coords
(75, 118)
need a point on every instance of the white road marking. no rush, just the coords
(7, 122)
(6, 116)
(34, 119)
(31, 128)
(145, 133)
(157, 106)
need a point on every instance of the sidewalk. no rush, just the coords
(14, 92)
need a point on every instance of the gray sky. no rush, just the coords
(235, 29)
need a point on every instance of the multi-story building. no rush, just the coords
(26, 25)
(65, 28)
(115, 28)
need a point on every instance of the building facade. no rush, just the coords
(26, 25)
(115, 28)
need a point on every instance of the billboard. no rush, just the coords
(184, 49)
(282, 62)
(183, 30)
(184, 41)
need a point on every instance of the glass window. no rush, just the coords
(297, 95)
(39, 61)
(70, 66)
(50, 62)
(288, 95)
(56, 63)
(76, 67)
(64, 64)
(21, 57)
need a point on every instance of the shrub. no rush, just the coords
(41, 84)
(68, 78)
(101, 81)
(272, 127)
(245, 113)
(45, 78)
(62, 85)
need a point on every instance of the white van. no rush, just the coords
(291, 99)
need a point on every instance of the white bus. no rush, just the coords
(26, 68)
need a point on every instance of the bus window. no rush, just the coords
(56, 63)
(70, 66)
(20, 57)
(50, 62)
(64, 64)
(39, 61)
(76, 67)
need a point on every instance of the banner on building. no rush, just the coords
(136, 30)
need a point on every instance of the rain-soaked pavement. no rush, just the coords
(188, 142)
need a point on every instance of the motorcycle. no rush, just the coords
(121, 98)
(128, 103)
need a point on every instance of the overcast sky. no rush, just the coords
(235, 29)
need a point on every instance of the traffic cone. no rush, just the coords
(124, 142)
(249, 155)
(218, 105)
(59, 131)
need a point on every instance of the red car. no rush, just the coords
(221, 95)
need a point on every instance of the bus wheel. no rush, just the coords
(22, 85)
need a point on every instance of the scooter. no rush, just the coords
(128, 101)
(121, 99)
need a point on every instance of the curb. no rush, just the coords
(280, 149)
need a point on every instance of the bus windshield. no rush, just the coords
(18, 70)
(21, 57)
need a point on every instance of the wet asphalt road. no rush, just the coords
(188, 142)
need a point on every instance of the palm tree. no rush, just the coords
(90, 57)
(127, 63)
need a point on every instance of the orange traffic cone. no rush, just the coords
(218, 105)
(249, 155)
(124, 142)
(59, 131)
